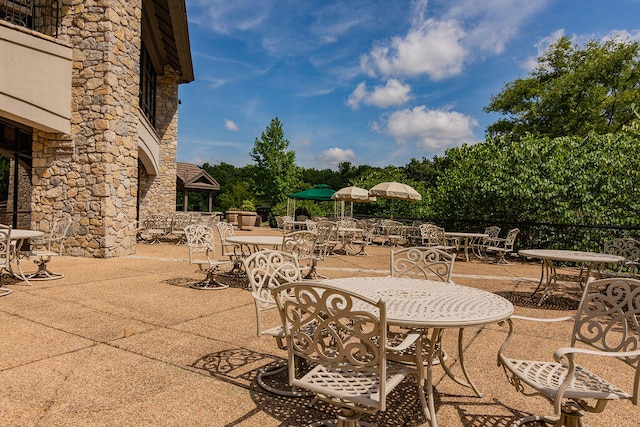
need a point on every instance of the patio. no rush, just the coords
(125, 341)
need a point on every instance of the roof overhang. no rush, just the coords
(166, 34)
(193, 177)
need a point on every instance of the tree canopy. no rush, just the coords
(573, 90)
(275, 171)
(569, 180)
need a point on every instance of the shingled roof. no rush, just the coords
(193, 177)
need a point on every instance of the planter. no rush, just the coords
(232, 217)
(247, 220)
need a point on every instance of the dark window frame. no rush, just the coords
(148, 86)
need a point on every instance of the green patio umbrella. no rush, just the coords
(319, 193)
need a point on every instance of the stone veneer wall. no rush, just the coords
(158, 192)
(24, 197)
(92, 173)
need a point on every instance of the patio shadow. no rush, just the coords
(240, 366)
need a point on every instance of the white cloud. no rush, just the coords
(623, 35)
(433, 48)
(441, 44)
(430, 129)
(393, 93)
(357, 96)
(226, 17)
(230, 125)
(490, 24)
(334, 156)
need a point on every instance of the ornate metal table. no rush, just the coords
(435, 305)
(469, 240)
(256, 241)
(20, 236)
(549, 275)
(253, 244)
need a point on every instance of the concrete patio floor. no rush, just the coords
(125, 342)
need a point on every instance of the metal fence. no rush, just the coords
(579, 237)
(42, 16)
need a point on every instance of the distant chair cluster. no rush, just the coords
(160, 228)
(352, 236)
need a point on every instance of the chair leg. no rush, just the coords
(347, 418)
(313, 273)
(277, 369)
(43, 272)
(501, 259)
(564, 420)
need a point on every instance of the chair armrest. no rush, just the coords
(511, 333)
(410, 338)
(543, 320)
(563, 351)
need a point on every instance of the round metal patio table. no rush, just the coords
(549, 276)
(256, 241)
(20, 236)
(435, 305)
(469, 239)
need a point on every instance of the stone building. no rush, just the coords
(89, 114)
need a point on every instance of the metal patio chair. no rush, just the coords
(265, 270)
(605, 327)
(502, 247)
(50, 245)
(202, 252)
(355, 381)
(302, 244)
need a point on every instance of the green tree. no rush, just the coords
(572, 91)
(275, 171)
(235, 185)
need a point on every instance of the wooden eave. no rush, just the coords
(167, 36)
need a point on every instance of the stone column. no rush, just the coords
(158, 192)
(92, 172)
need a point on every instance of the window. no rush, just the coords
(147, 86)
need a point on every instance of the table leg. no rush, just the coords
(466, 248)
(551, 282)
(428, 405)
(468, 383)
(19, 274)
(542, 265)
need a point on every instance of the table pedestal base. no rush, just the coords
(210, 282)
(43, 272)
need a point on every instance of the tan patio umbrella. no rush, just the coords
(395, 190)
(352, 194)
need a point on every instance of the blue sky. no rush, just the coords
(374, 82)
